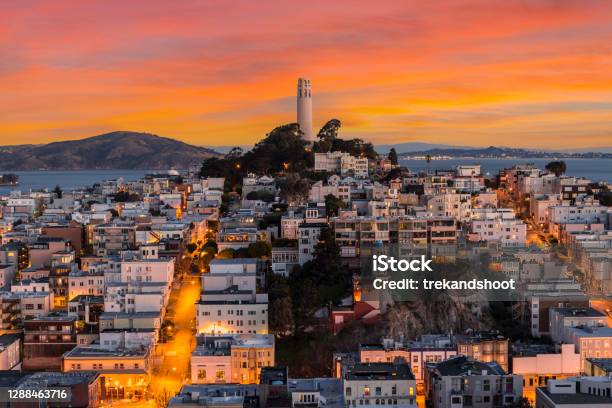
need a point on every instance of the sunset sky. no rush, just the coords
(533, 74)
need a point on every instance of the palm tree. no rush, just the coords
(428, 160)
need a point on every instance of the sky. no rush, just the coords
(535, 74)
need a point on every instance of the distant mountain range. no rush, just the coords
(420, 147)
(504, 152)
(116, 150)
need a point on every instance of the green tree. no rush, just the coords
(326, 136)
(227, 253)
(520, 403)
(333, 205)
(556, 167)
(259, 249)
(293, 187)
(210, 246)
(281, 316)
(393, 156)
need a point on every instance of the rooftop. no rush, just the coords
(234, 261)
(574, 399)
(578, 312)
(95, 352)
(604, 363)
(379, 371)
(464, 366)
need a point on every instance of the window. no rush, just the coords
(220, 375)
(201, 374)
(378, 391)
(348, 392)
(366, 391)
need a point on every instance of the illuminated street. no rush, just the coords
(168, 378)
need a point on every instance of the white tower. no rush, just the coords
(304, 108)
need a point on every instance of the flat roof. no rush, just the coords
(462, 365)
(604, 363)
(379, 371)
(96, 352)
(234, 261)
(578, 312)
(577, 398)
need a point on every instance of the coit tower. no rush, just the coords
(304, 108)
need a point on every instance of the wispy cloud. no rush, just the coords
(535, 73)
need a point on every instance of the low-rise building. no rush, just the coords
(563, 317)
(231, 359)
(126, 373)
(538, 369)
(577, 392)
(46, 339)
(375, 384)
(464, 382)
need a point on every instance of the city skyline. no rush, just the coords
(526, 74)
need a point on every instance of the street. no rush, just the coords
(173, 372)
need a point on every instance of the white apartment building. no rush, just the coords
(537, 369)
(562, 318)
(290, 225)
(341, 162)
(309, 234)
(371, 385)
(230, 304)
(84, 283)
(147, 270)
(455, 205)
(124, 297)
(284, 259)
(463, 382)
(128, 339)
(576, 392)
(499, 225)
(539, 207)
(591, 342)
(228, 359)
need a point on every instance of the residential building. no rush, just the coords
(464, 382)
(484, 346)
(369, 384)
(563, 317)
(538, 369)
(237, 358)
(126, 373)
(577, 392)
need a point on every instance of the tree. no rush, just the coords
(283, 145)
(521, 403)
(326, 136)
(210, 246)
(293, 188)
(333, 205)
(281, 316)
(227, 253)
(393, 156)
(58, 191)
(259, 249)
(556, 167)
(191, 247)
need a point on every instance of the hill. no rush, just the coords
(505, 152)
(409, 147)
(116, 150)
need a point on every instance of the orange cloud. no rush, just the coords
(531, 73)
